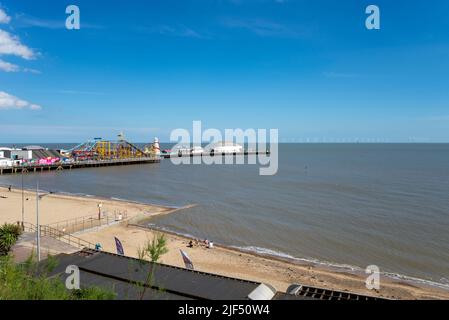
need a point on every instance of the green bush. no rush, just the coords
(9, 233)
(23, 282)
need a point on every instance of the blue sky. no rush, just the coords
(309, 68)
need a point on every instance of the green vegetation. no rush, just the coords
(154, 249)
(9, 233)
(29, 281)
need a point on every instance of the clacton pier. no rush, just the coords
(90, 154)
(76, 165)
(104, 153)
(212, 154)
(221, 148)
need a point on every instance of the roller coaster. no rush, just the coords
(99, 149)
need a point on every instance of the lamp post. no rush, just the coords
(38, 229)
(23, 204)
(99, 210)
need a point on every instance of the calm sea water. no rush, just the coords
(343, 204)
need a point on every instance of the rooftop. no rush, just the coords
(123, 274)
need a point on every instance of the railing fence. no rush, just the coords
(57, 234)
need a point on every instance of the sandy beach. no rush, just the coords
(59, 207)
(219, 260)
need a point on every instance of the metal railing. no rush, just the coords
(80, 162)
(57, 234)
(88, 222)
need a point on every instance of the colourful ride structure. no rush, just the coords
(99, 149)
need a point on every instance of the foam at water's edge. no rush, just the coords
(343, 267)
(333, 265)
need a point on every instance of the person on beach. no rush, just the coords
(9, 189)
(190, 245)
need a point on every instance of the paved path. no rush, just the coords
(26, 245)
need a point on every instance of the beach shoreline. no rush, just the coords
(68, 206)
(332, 267)
(225, 260)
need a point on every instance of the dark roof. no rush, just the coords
(122, 274)
(33, 148)
(43, 154)
(301, 292)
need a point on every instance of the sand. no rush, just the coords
(55, 208)
(219, 260)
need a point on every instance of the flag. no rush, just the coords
(187, 261)
(119, 247)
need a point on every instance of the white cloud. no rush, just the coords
(174, 31)
(27, 21)
(80, 92)
(34, 71)
(438, 118)
(8, 102)
(339, 75)
(10, 44)
(4, 18)
(262, 28)
(8, 67)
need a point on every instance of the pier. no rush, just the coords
(213, 154)
(34, 168)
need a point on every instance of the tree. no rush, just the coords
(153, 249)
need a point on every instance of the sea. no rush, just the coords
(346, 206)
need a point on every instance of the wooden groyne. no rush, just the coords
(35, 168)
